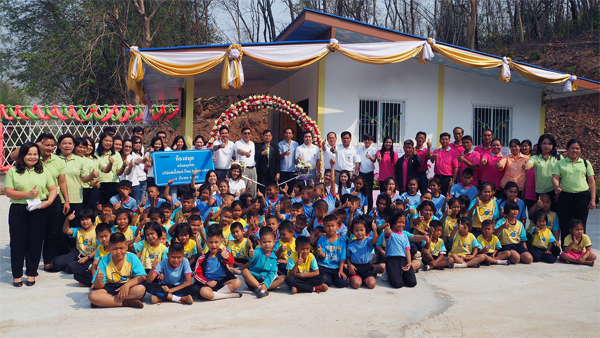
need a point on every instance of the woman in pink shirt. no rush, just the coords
(512, 164)
(386, 157)
(490, 171)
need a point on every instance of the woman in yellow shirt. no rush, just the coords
(111, 168)
(27, 183)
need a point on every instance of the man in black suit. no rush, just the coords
(267, 160)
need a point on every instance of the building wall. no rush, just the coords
(416, 84)
(463, 90)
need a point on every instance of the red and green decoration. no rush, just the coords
(257, 102)
(98, 113)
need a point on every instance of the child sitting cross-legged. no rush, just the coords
(577, 248)
(303, 270)
(176, 284)
(434, 250)
(119, 277)
(217, 281)
(465, 246)
(491, 245)
(360, 252)
(261, 276)
(512, 235)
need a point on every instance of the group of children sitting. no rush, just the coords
(309, 240)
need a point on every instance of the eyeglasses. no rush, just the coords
(247, 133)
(137, 142)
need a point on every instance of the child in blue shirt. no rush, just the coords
(320, 208)
(262, 274)
(436, 197)
(300, 226)
(511, 189)
(360, 191)
(360, 253)
(412, 194)
(399, 269)
(464, 187)
(307, 194)
(271, 201)
(176, 284)
(123, 200)
(303, 270)
(117, 281)
(331, 253)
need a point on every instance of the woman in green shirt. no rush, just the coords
(90, 189)
(112, 167)
(77, 172)
(543, 161)
(573, 180)
(27, 181)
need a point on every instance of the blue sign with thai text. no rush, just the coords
(179, 166)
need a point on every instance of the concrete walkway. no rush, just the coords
(537, 300)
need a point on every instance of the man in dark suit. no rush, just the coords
(267, 160)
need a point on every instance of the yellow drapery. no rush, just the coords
(540, 79)
(467, 59)
(232, 72)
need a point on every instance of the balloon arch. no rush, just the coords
(257, 102)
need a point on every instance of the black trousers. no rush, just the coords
(287, 175)
(157, 290)
(445, 183)
(572, 206)
(82, 272)
(540, 255)
(62, 262)
(264, 178)
(108, 190)
(331, 277)
(90, 198)
(304, 284)
(27, 230)
(423, 182)
(63, 244)
(398, 277)
(369, 178)
(221, 173)
(54, 213)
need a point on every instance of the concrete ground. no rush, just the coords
(538, 300)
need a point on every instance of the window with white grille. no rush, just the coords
(496, 118)
(381, 118)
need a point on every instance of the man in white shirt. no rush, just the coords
(244, 151)
(367, 165)
(347, 157)
(309, 153)
(329, 149)
(287, 150)
(222, 153)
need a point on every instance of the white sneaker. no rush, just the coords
(417, 255)
(384, 277)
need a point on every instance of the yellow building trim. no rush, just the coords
(187, 122)
(440, 105)
(543, 113)
(321, 95)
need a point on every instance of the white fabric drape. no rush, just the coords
(286, 53)
(183, 58)
(381, 49)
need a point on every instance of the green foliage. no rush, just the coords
(75, 51)
(10, 95)
(534, 55)
(510, 53)
(596, 50)
(594, 70)
(572, 69)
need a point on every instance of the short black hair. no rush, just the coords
(214, 232)
(223, 128)
(187, 196)
(509, 206)
(486, 223)
(194, 218)
(153, 226)
(116, 238)
(367, 137)
(101, 227)
(246, 128)
(421, 133)
(236, 225)
(86, 213)
(444, 134)
(319, 229)
(297, 206)
(510, 185)
(302, 219)
(346, 133)
(468, 172)
(466, 221)
(287, 226)
(176, 247)
(467, 138)
(266, 231)
(137, 129)
(435, 224)
(302, 240)
(330, 218)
